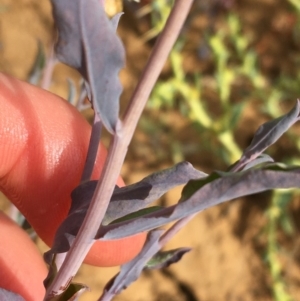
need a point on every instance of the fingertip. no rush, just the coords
(44, 141)
(22, 269)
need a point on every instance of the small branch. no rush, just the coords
(93, 149)
(156, 62)
(48, 71)
(82, 96)
(169, 234)
(118, 149)
(14, 213)
(141, 260)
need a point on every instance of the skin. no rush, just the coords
(43, 142)
(20, 258)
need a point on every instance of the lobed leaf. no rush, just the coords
(88, 42)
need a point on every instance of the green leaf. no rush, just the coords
(137, 214)
(164, 259)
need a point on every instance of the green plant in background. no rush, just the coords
(159, 12)
(277, 216)
(296, 6)
(193, 102)
(234, 61)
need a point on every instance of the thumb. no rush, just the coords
(44, 142)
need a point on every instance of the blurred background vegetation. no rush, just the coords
(237, 71)
(235, 66)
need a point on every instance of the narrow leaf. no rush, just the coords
(131, 271)
(164, 259)
(137, 196)
(262, 158)
(223, 187)
(267, 134)
(136, 214)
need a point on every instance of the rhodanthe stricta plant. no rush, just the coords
(103, 223)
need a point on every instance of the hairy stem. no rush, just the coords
(118, 148)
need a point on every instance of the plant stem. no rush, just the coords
(118, 149)
(156, 61)
(92, 150)
(48, 71)
(166, 237)
(145, 257)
